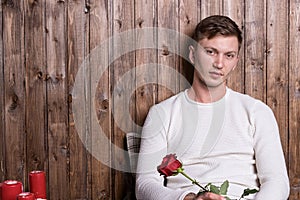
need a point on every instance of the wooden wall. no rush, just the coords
(44, 43)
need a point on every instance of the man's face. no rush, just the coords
(214, 59)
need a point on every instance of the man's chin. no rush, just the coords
(215, 84)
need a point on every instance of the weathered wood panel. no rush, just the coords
(2, 114)
(167, 10)
(77, 50)
(101, 181)
(14, 91)
(57, 110)
(145, 94)
(294, 99)
(213, 7)
(123, 20)
(188, 19)
(277, 66)
(145, 90)
(235, 10)
(255, 45)
(36, 77)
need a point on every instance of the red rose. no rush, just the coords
(169, 165)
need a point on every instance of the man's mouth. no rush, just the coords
(216, 74)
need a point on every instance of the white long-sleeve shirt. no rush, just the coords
(234, 139)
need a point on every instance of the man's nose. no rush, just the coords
(219, 61)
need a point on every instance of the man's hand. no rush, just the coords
(205, 196)
(210, 196)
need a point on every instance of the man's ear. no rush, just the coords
(192, 54)
(234, 67)
(238, 56)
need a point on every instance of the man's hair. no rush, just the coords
(217, 25)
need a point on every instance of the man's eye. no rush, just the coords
(230, 56)
(210, 52)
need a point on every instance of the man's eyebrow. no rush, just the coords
(231, 52)
(216, 50)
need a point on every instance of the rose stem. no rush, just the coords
(193, 181)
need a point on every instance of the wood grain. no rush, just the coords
(77, 23)
(255, 46)
(58, 135)
(123, 20)
(294, 99)
(208, 8)
(168, 79)
(99, 33)
(14, 90)
(234, 10)
(145, 93)
(36, 78)
(277, 66)
(188, 19)
(2, 107)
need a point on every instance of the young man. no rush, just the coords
(217, 133)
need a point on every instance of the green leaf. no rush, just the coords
(249, 191)
(227, 198)
(224, 187)
(214, 189)
(207, 186)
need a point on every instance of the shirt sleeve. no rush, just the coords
(149, 184)
(270, 162)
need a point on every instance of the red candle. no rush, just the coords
(10, 189)
(1, 191)
(26, 196)
(37, 184)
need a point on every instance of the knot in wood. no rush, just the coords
(104, 104)
(8, 3)
(14, 102)
(140, 21)
(165, 50)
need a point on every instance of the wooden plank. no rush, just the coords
(123, 20)
(167, 18)
(188, 20)
(212, 7)
(14, 97)
(255, 45)
(36, 75)
(145, 92)
(77, 51)
(58, 138)
(277, 62)
(2, 108)
(99, 33)
(294, 99)
(145, 16)
(235, 10)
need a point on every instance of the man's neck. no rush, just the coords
(203, 94)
